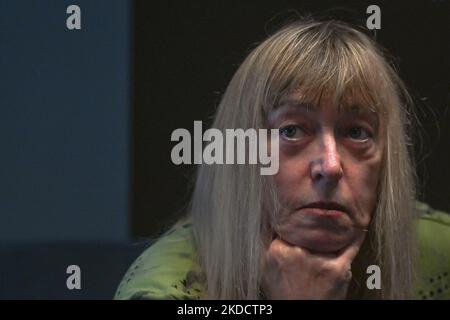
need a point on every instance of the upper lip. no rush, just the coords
(328, 205)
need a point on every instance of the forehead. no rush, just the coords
(347, 105)
(293, 106)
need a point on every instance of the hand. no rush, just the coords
(294, 273)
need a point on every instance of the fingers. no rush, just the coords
(279, 248)
(281, 252)
(292, 272)
(282, 247)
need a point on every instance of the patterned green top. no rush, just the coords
(169, 268)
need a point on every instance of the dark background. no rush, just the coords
(86, 117)
(65, 128)
(186, 53)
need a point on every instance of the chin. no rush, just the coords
(322, 241)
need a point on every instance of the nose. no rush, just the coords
(326, 165)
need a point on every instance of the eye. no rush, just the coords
(292, 132)
(359, 133)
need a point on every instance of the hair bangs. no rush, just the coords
(339, 67)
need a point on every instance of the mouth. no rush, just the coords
(324, 208)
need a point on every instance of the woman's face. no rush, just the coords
(329, 170)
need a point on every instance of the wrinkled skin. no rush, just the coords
(325, 155)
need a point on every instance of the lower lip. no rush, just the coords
(322, 212)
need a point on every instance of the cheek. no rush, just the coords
(292, 172)
(364, 186)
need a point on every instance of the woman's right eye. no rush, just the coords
(292, 132)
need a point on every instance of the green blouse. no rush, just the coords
(169, 268)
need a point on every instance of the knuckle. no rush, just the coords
(326, 270)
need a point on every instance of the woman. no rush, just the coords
(343, 199)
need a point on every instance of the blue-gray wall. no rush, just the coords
(64, 121)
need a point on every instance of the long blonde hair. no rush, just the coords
(233, 207)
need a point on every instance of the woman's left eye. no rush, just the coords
(359, 133)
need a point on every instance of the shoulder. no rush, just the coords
(433, 237)
(166, 270)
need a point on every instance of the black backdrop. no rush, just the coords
(186, 52)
